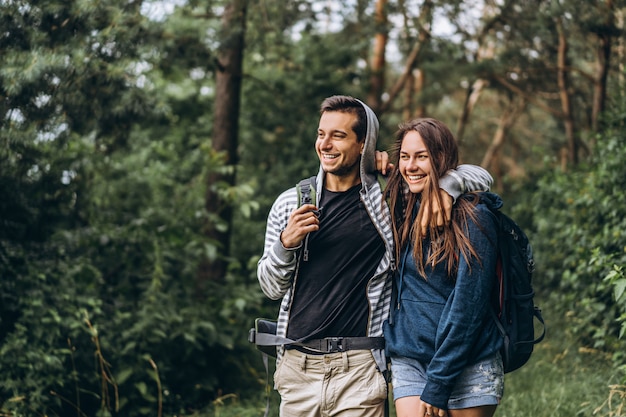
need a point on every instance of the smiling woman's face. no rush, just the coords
(415, 163)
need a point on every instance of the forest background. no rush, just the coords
(143, 142)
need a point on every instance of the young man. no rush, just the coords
(336, 300)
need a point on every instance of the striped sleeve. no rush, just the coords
(466, 178)
(276, 266)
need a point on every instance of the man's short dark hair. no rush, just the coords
(347, 104)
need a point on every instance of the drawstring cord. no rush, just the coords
(401, 275)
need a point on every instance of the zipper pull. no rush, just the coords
(394, 269)
(305, 254)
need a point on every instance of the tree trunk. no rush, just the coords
(491, 160)
(473, 94)
(377, 77)
(621, 50)
(414, 86)
(486, 51)
(420, 84)
(225, 138)
(426, 15)
(566, 103)
(604, 58)
(409, 93)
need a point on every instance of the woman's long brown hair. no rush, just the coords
(447, 243)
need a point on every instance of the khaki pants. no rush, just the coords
(344, 384)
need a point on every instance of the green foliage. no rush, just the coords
(562, 377)
(104, 160)
(130, 267)
(105, 147)
(580, 242)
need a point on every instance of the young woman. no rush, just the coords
(441, 337)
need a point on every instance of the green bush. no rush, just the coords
(103, 314)
(580, 241)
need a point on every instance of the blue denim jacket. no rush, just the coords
(446, 323)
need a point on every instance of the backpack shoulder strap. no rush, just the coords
(307, 189)
(382, 181)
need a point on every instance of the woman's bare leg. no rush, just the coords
(482, 411)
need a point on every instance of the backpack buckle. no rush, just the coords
(334, 344)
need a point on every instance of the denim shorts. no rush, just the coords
(479, 384)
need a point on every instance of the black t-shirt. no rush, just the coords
(330, 298)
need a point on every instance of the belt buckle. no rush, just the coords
(334, 344)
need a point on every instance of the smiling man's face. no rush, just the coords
(337, 145)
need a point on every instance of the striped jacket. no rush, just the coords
(277, 267)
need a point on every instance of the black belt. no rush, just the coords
(342, 344)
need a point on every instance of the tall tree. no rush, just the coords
(485, 51)
(229, 73)
(423, 25)
(605, 31)
(493, 155)
(564, 92)
(377, 67)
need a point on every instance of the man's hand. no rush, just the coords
(303, 220)
(441, 215)
(382, 162)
